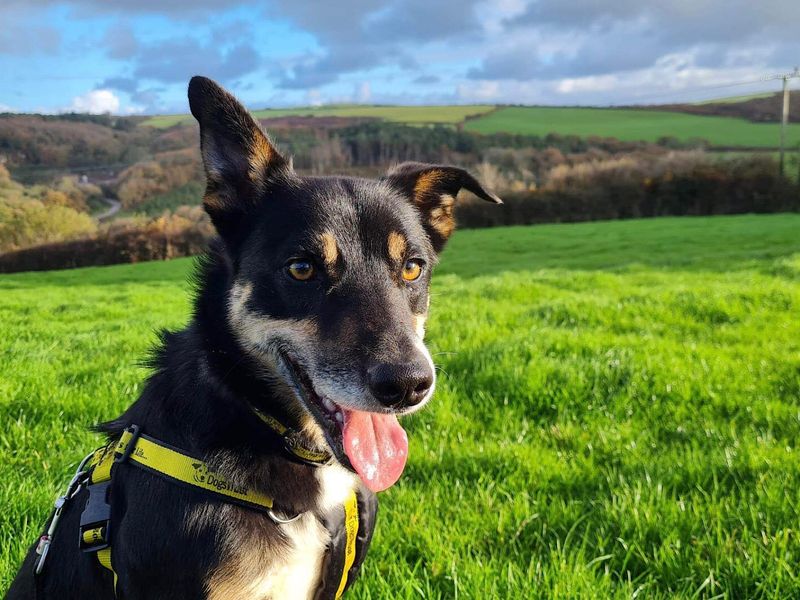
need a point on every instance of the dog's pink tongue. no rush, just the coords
(377, 447)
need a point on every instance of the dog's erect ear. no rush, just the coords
(239, 159)
(433, 190)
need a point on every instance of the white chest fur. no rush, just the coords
(256, 571)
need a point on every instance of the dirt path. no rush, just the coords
(113, 208)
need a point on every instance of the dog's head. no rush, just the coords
(328, 290)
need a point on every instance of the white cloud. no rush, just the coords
(598, 83)
(5, 108)
(479, 91)
(133, 109)
(674, 77)
(95, 102)
(363, 92)
(314, 97)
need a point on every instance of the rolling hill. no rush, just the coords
(724, 124)
(397, 114)
(632, 125)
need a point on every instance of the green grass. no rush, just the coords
(616, 416)
(631, 125)
(399, 114)
(623, 124)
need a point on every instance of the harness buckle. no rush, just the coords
(95, 527)
(42, 549)
(128, 449)
(46, 539)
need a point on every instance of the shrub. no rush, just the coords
(38, 214)
(622, 188)
(77, 194)
(24, 222)
(189, 194)
(169, 170)
(184, 233)
(591, 185)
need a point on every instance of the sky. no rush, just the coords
(136, 56)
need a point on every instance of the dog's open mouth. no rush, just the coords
(374, 445)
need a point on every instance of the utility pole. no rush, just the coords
(785, 114)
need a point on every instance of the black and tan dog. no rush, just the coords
(283, 392)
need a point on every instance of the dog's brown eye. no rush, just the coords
(412, 270)
(301, 270)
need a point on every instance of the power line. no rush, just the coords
(686, 91)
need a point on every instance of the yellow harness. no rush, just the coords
(174, 465)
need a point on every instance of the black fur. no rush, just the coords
(206, 380)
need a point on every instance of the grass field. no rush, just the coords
(632, 125)
(623, 124)
(617, 414)
(413, 115)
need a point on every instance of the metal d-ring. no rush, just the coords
(281, 520)
(74, 486)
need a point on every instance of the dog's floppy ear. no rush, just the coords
(433, 190)
(239, 159)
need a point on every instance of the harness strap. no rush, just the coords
(165, 460)
(178, 467)
(351, 532)
(95, 527)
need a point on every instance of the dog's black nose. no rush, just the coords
(400, 385)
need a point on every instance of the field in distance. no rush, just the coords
(629, 124)
(632, 125)
(413, 115)
(616, 412)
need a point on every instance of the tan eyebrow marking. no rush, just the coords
(397, 246)
(330, 250)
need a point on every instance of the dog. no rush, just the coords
(281, 396)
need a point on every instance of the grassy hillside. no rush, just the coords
(631, 124)
(616, 415)
(397, 114)
(624, 124)
(735, 99)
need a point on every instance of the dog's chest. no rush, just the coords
(290, 568)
